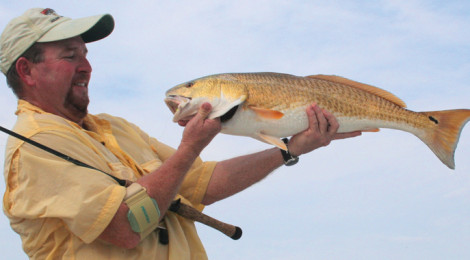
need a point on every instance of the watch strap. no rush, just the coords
(289, 159)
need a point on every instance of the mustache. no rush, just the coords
(81, 78)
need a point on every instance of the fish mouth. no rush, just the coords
(176, 104)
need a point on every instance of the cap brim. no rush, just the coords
(91, 29)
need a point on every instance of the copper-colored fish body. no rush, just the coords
(272, 105)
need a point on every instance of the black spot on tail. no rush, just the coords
(434, 120)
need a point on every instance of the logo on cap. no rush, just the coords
(48, 11)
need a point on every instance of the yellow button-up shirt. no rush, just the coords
(59, 209)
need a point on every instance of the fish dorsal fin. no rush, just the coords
(371, 89)
(266, 113)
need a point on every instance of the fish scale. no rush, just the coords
(327, 95)
(272, 105)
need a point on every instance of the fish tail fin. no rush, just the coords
(443, 138)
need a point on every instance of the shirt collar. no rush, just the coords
(24, 106)
(92, 122)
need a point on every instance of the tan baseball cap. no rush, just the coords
(45, 25)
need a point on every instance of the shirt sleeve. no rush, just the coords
(42, 185)
(197, 179)
(195, 184)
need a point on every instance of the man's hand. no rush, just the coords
(199, 130)
(322, 129)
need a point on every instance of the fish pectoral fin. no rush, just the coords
(371, 89)
(272, 140)
(221, 109)
(266, 113)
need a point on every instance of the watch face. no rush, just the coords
(291, 161)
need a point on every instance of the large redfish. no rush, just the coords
(268, 106)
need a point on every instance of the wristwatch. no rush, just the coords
(289, 159)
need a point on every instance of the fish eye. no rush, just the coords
(190, 84)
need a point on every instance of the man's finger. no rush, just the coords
(205, 110)
(313, 122)
(183, 122)
(322, 121)
(347, 135)
(333, 124)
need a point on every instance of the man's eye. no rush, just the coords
(69, 55)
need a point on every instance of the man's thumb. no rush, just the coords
(205, 110)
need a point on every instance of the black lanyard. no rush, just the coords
(59, 154)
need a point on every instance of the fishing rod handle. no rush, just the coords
(191, 213)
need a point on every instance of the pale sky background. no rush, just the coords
(381, 196)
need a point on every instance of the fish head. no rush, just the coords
(221, 91)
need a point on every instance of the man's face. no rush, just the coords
(61, 79)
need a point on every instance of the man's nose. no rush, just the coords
(84, 66)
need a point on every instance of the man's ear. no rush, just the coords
(23, 68)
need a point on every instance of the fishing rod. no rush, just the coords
(176, 206)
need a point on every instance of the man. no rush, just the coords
(61, 210)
